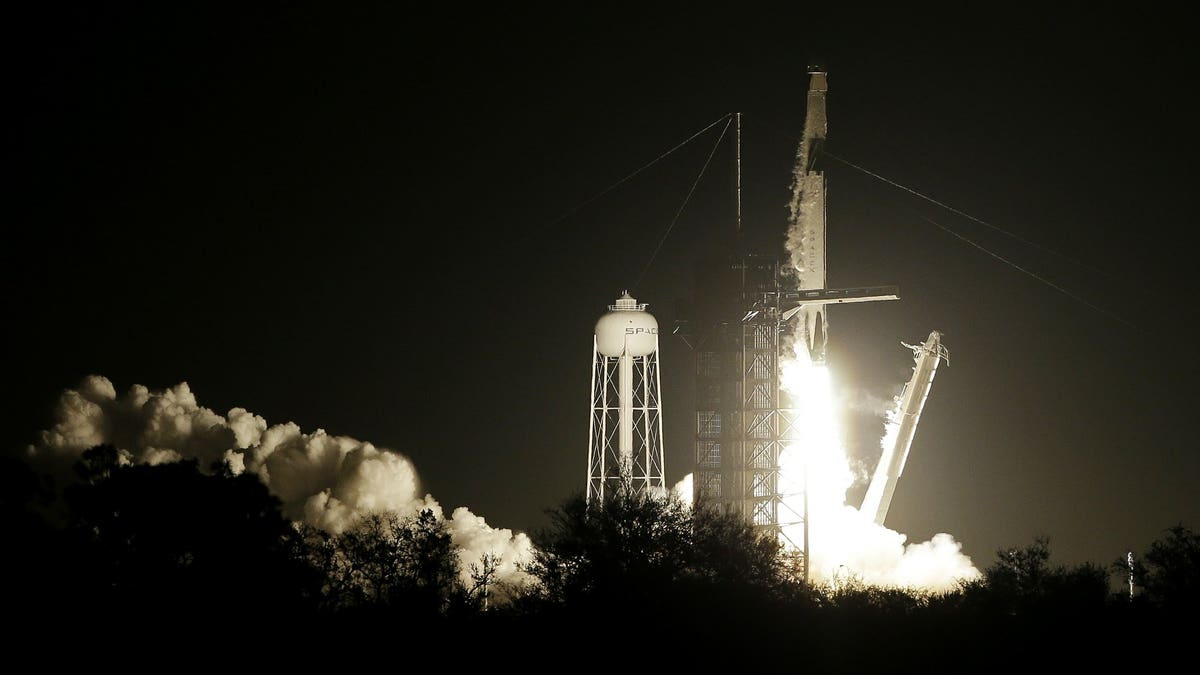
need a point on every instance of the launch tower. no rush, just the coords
(758, 306)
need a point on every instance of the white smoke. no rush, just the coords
(148, 427)
(842, 540)
(328, 481)
(864, 401)
(322, 480)
(845, 539)
(476, 539)
(805, 242)
(683, 489)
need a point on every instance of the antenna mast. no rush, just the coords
(739, 171)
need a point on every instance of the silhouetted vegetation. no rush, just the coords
(1022, 581)
(1168, 572)
(172, 542)
(387, 561)
(632, 548)
(174, 545)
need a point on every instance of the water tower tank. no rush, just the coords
(625, 448)
(627, 326)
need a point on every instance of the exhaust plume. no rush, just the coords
(683, 489)
(841, 538)
(322, 480)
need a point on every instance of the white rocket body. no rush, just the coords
(806, 234)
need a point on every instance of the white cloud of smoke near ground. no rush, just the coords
(844, 542)
(328, 481)
(683, 489)
(322, 480)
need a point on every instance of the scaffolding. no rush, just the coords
(743, 419)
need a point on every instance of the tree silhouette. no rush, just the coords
(483, 577)
(656, 553)
(32, 572)
(1023, 581)
(169, 540)
(1169, 573)
(383, 560)
(172, 546)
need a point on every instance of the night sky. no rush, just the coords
(354, 220)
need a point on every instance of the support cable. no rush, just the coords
(966, 215)
(651, 163)
(943, 205)
(1017, 267)
(684, 204)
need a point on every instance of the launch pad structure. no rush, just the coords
(742, 419)
(756, 312)
(760, 307)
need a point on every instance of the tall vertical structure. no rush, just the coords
(806, 216)
(742, 418)
(758, 307)
(807, 302)
(625, 449)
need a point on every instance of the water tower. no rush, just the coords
(625, 432)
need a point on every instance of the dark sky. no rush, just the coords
(351, 219)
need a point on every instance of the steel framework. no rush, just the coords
(743, 418)
(625, 446)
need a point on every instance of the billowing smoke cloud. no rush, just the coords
(328, 481)
(476, 539)
(683, 489)
(847, 544)
(322, 480)
(844, 542)
(148, 427)
(861, 448)
(866, 402)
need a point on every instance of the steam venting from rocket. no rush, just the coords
(322, 480)
(803, 238)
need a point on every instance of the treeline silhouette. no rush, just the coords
(170, 548)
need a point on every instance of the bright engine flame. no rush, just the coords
(844, 542)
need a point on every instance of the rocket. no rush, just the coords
(905, 417)
(806, 232)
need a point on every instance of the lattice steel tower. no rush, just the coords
(743, 418)
(625, 446)
(754, 308)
